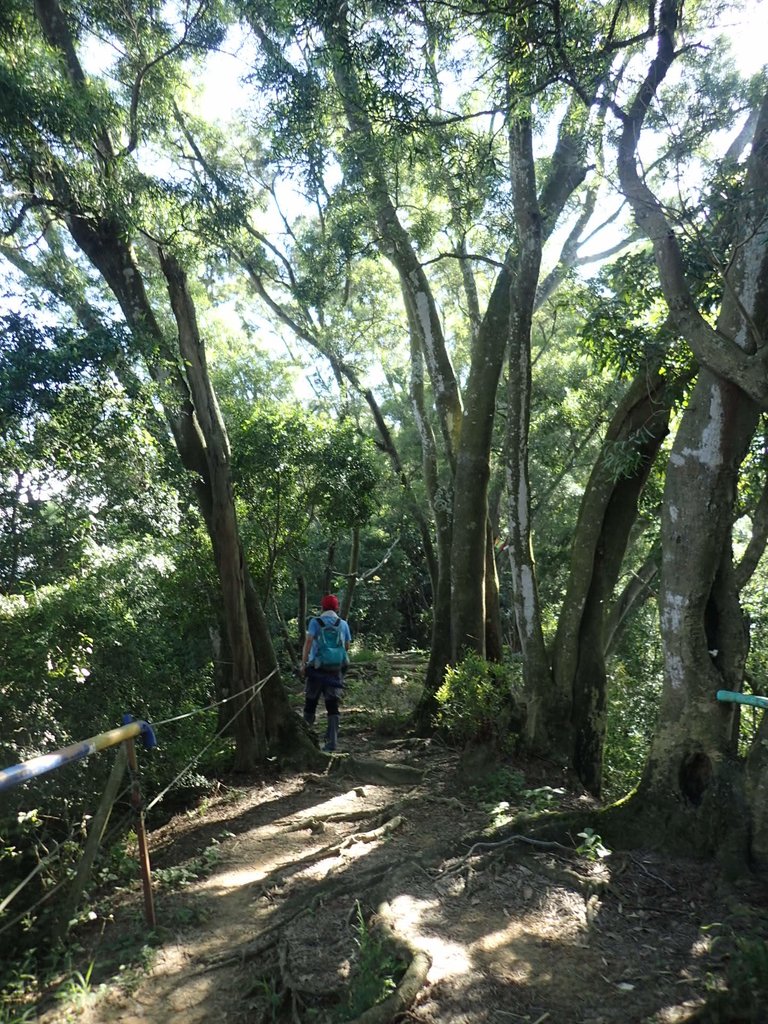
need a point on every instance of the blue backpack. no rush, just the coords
(331, 652)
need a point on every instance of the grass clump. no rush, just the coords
(375, 973)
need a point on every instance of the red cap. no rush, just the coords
(330, 603)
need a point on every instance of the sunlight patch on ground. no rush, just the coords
(262, 858)
(335, 805)
(405, 915)
(242, 876)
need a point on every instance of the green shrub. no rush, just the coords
(475, 702)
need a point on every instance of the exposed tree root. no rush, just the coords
(317, 822)
(299, 904)
(373, 834)
(374, 772)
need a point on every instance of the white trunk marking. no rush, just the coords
(672, 612)
(528, 603)
(421, 300)
(675, 672)
(674, 514)
(753, 256)
(709, 454)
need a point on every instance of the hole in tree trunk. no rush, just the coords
(694, 777)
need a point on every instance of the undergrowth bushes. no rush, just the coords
(475, 702)
(122, 637)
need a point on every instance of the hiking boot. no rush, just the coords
(331, 734)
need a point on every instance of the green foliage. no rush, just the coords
(293, 471)
(747, 978)
(181, 875)
(129, 634)
(381, 696)
(504, 793)
(475, 702)
(742, 995)
(591, 846)
(635, 676)
(374, 973)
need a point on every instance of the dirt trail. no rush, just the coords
(511, 932)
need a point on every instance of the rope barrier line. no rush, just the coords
(22, 772)
(26, 770)
(261, 684)
(218, 703)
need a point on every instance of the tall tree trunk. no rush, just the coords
(691, 788)
(352, 573)
(690, 777)
(470, 506)
(251, 745)
(494, 645)
(536, 673)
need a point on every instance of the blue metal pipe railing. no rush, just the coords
(25, 770)
(731, 697)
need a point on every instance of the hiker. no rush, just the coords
(323, 663)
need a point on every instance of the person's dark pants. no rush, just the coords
(317, 684)
(329, 686)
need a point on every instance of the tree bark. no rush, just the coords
(352, 573)
(608, 512)
(536, 672)
(692, 786)
(470, 508)
(494, 644)
(690, 770)
(250, 735)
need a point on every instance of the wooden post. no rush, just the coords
(141, 834)
(95, 834)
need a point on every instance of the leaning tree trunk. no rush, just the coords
(607, 515)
